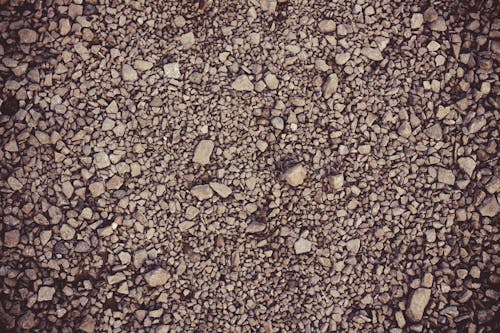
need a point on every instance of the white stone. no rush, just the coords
(172, 70)
(295, 175)
(302, 246)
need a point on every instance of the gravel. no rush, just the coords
(249, 166)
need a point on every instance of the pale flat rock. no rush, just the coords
(295, 175)
(242, 83)
(45, 293)
(336, 181)
(142, 65)
(221, 189)
(417, 304)
(203, 151)
(434, 132)
(330, 86)
(14, 183)
(255, 227)
(405, 129)
(467, 164)
(156, 277)
(27, 36)
(202, 192)
(129, 73)
(96, 189)
(191, 212)
(271, 81)
(489, 207)
(446, 176)
(416, 21)
(302, 246)
(101, 160)
(172, 70)
(353, 245)
(342, 58)
(67, 232)
(188, 40)
(372, 53)
(326, 26)
(11, 238)
(88, 324)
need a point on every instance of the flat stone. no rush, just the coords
(242, 83)
(295, 175)
(172, 70)
(101, 160)
(129, 73)
(27, 36)
(202, 192)
(55, 214)
(278, 123)
(271, 81)
(11, 238)
(489, 207)
(467, 164)
(139, 258)
(88, 324)
(446, 176)
(116, 278)
(142, 65)
(27, 321)
(203, 151)
(417, 304)
(255, 227)
(353, 245)
(434, 132)
(302, 246)
(221, 189)
(191, 212)
(67, 232)
(416, 21)
(45, 293)
(336, 181)
(326, 26)
(14, 183)
(156, 277)
(405, 129)
(97, 189)
(330, 86)
(438, 25)
(188, 40)
(372, 53)
(342, 58)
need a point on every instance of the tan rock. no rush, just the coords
(336, 181)
(446, 176)
(11, 238)
(172, 71)
(203, 151)
(467, 164)
(295, 175)
(489, 207)
(242, 83)
(202, 192)
(129, 73)
(330, 86)
(27, 36)
(46, 293)
(302, 246)
(221, 189)
(101, 160)
(326, 26)
(434, 132)
(156, 277)
(417, 304)
(372, 53)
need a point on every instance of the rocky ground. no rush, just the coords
(249, 166)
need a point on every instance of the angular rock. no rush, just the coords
(221, 189)
(330, 86)
(129, 73)
(302, 246)
(101, 160)
(372, 53)
(27, 36)
(295, 175)
(489, 207)
(46, 293)
(271, 81)
(417, 304)
(417, 20)
(326, 26)
(172, 71)
(336, 181)
(446, 176)
(156, 277)
(467, 164)
(11, 238)
(203, 151)
(242, 83)
(202, 192)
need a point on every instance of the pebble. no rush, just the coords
(188, 40)
(336, 181)
(46, 293)
(489, 207)
(372, 53)
(142, 65)
(278, 123)
(342, 58)
(157, 277)
(172, 70)
(446, 176)
(271, 81)
(11, 238)
(255, 227)
(88, 324)
(353, 245)
(326, 26)
(202, 192)
(129, 73)
(295, 175)
(28, 36)
(242, 83)
(467, 164)
(330, 86)
(221, 189)
(417, 304)
(203, 152)
(302, 246)
(67, 232)
(417, 20)
(101, 160)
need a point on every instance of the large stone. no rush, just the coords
(434, 132)
(417, 20)
(101, 160)
(46, 293)
(446, 176)
(330, 86)
(467, 164)
(27, 36)
(202, 192)
(156, 277)
(221, 189)
(129, 73)
(242, 83)
(295, 175)
(172, 71)
(489, 207)
(418, 302)
(88, 324)
(336, 181)
(11, 238)
(302, 246)
(372, 53)
(326, 26)
(203, 151)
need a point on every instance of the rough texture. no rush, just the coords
(249, 166)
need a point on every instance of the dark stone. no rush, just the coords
(10, 106)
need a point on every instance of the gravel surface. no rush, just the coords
(249, 166)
